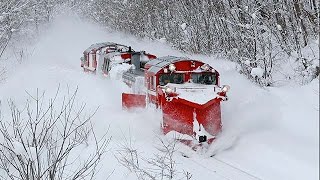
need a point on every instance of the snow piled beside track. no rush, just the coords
(270, 133)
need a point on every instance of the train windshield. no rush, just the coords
(204, 78)
(176, 78)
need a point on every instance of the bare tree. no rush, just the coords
(23, 18)
(11, 19)
(2, 74)
(40, 140)
(161, 166)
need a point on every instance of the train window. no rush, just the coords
(106, 64)
(204, 78)
(176, 78)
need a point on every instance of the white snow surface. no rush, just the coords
(117, 70)
(197, 93)
(257, 72)
(270, 133)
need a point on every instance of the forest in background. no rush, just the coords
(261, 36)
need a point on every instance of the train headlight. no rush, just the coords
(205, 67)
(225, 88)
(172, 67)
(168, 90)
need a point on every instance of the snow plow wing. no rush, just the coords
(130, 101)
(200, 121)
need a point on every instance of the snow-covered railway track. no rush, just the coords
(223, 170)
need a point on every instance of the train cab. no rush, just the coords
(177, 72)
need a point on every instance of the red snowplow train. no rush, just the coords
(187, 91)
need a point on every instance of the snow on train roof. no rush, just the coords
(159, 63)
(101, 45)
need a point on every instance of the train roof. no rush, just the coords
(112, 54)
(157, 64)
(101, 45)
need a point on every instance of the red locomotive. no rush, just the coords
(187, 91)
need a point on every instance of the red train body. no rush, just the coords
(188, 93)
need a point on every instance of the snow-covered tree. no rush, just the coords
(259, 32)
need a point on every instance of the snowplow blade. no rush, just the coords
(188, 118)
(130, 101)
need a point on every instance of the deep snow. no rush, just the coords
(274, 132)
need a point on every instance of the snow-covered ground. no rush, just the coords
(274, 132)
